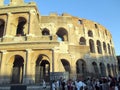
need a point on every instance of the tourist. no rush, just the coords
(80, 84)
(44, 84)
(53, 85)
(63, 84)
(70, 84)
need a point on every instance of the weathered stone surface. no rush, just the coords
(32, 46)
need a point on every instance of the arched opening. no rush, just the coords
(80, 22)
(99, 49)
(96, 71)
(17, 70)
(109, 49)
(63, 34)
(96, 26)
(114, 70)
(81, 68)
(104, 47)
(103, 70)
(20, 27)
(90, 33)
(91, 45)
(66, 65)
(109, 69)
(82, 41)
(42, 70)
(45, 31)
(2, 26)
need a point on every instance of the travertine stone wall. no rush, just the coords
(54, 43)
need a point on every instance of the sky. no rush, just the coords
(104, 12)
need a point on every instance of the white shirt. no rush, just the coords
(53, 86)
(79, 84)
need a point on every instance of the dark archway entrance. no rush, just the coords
(80, 68)
(102, 69)
(62, 34)
(20, 27)
(2, 26)
(66, 65)
(96, 70)
(42, 69)
(109, 69)
(17, 71)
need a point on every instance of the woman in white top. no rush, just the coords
(53, 85)
(44, 84)
(80, 84)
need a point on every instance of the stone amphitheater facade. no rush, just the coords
(34, 47)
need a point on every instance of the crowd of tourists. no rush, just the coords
(103, 83)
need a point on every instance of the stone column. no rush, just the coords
(8, 31)
(73, 71)
(2, 68)
(70, 34)
(31, 26)
(32, 22)
(27, 68)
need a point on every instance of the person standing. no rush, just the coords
(44, 84)
(53, 85)
(57, 85)
(63, 84)
(70, 84)
(80, 84)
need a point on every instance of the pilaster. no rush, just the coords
(8, 31)
(2, 68)
(73, 71)
(28, 75)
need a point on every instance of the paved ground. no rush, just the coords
(30, 87)
(24, 87)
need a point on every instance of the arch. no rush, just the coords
(80, 67)
(80, 22)
(66, 65)
(96, 26)
(104, 47)
(110, 41)
(109, 69)
(91, 45)
(99, 49)
(102, 69)
(2, 27)
(45, 31)
(20, 27)
(109, 49)
(114, 70)
(96, 70)
(42, 69)
(90, 33)
(16, 69)
(63, 34)
(112, 66)
(82, 41)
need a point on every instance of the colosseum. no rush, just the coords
(35, 47)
